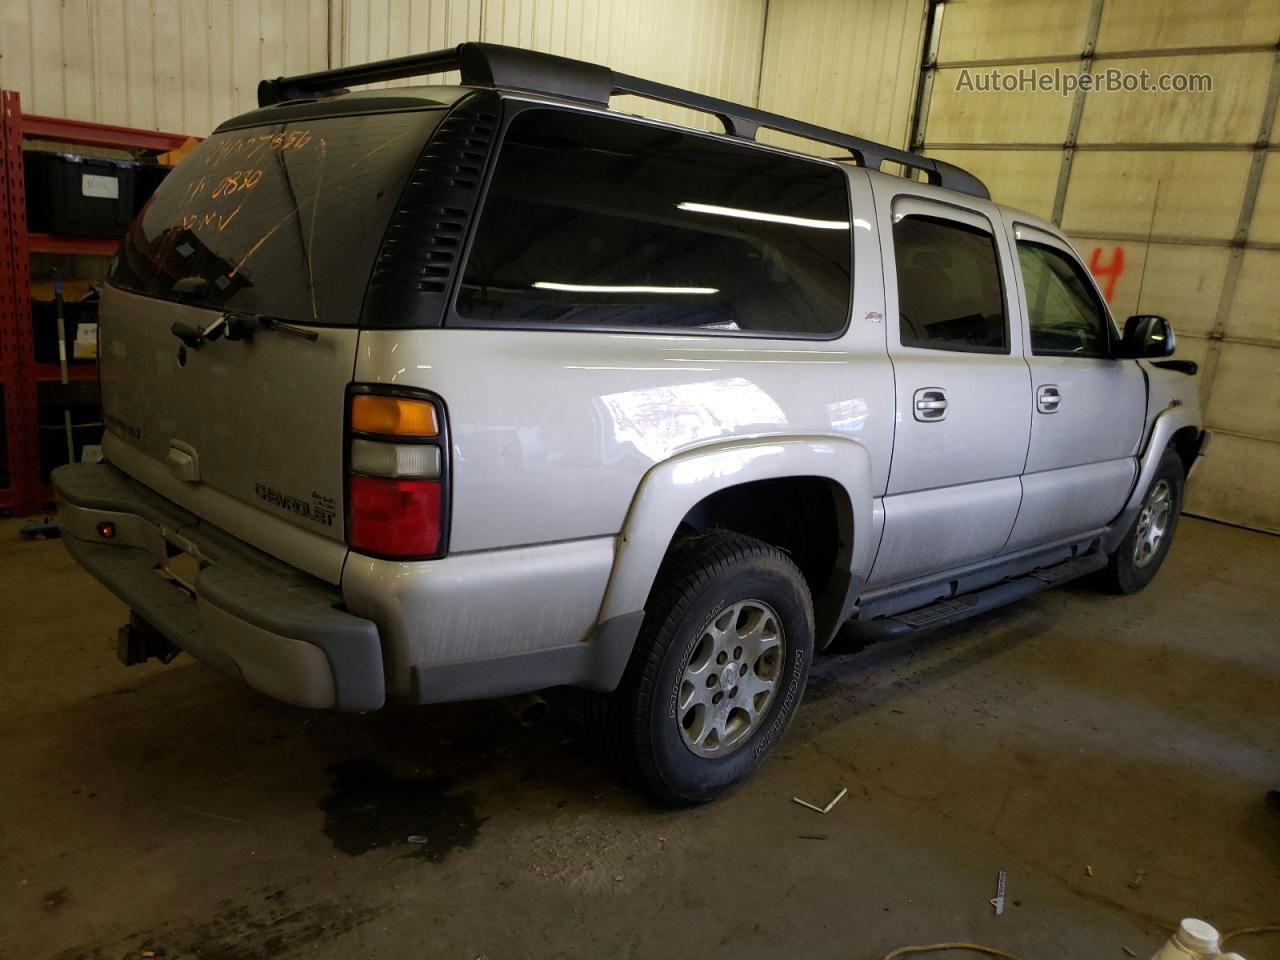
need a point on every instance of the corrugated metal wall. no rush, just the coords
(183, 65)
(1174, 198)
(1169, 195)
(708, 45)
(176, 65)
(851, 66)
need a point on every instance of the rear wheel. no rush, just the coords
(1146, 544)
(718, 669)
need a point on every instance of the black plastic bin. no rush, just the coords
(44, 324)
(150, 176)
(79, 196)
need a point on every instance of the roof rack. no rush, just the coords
(514, 68)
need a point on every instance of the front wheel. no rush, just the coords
(718, 670)
(1146, 544)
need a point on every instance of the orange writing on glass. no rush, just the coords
(236, 181)
(197, 222)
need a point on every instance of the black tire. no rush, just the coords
(1129, 569)
(704, 575)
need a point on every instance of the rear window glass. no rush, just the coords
(282, 220)
(601, 222)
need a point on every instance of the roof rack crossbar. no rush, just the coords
(330, 82)
(494, 65)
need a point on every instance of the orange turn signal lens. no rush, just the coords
(393, 416)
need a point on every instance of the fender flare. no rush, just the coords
(1167, 423)
(670, 489)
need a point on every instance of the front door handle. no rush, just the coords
(929, 404)
(1048, 399)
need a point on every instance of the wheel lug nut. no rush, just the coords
(722, 658)
(712, 680)
(737, 653)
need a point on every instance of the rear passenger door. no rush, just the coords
(962, 388)
(1089, 406)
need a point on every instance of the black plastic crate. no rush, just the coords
(150, 176)
(79, 196)
(44, 327)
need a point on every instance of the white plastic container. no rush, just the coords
(1193, 940)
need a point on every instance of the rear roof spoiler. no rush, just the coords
(514, 68)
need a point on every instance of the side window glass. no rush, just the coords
(595, 221)
(949, 291)
(1066, 317)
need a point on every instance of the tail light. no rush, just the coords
(397, 474)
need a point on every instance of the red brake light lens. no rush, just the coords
(395, 518)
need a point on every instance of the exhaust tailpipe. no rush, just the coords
(529, 709)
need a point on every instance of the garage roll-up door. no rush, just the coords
(1173, 198)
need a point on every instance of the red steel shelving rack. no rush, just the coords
(19, 373)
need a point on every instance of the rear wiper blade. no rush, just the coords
(248, 320)
(237, 325)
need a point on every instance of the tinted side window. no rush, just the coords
(596, 221)
(1065, 314)
(949, 291)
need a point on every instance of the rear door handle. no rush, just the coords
(1048, 398)
(929, 404)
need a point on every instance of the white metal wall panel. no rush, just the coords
(184, 65)
(1236, 482)
(1228, 114)
(712, 46)
(1255, 310)
(961, 116)
(1176, 280)
(980, 30)
(1246, 390)
(1156, 192)
(176, 65)
(1025, 179)
(1266, 212)
(1173, 24)
(367, 30)
(1166, 193)
(847, 64)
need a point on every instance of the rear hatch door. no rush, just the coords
(265, 237)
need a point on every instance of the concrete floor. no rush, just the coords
(167, 809)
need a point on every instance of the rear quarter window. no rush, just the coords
(599, 222)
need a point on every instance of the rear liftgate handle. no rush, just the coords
(929, 404)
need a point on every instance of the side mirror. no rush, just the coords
(1147, 336)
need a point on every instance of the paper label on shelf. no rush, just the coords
(86, 345)
(96, 185)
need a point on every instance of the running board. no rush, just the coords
(954, 609)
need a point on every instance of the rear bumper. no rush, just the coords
(251, 616)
